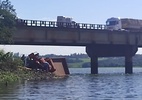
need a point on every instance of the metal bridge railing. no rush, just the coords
(38, 23)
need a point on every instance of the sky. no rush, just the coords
(82, 11)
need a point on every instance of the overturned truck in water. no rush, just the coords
(58, 66)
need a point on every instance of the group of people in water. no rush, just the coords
(34, 61)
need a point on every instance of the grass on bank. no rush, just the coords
(23, 74)
(10, 70)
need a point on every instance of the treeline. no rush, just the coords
(72, 58)
(120, 61)
(84, 60)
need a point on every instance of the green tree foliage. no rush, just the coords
(7, 21)
(8, 62)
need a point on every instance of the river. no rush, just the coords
(109, 84)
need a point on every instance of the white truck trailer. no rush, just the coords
(125, 24)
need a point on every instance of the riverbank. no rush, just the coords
(23, 74)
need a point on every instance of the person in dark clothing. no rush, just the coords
(35, 62)
(32, 61)
(51, 69)
(45, 65)
(23, 58)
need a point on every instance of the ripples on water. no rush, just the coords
(109, 84)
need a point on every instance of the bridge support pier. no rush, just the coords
(94, 59)
(94, 65)
(128, 65)
(94, 51)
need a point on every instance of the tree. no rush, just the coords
(7, 21)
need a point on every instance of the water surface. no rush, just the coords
(109, 84)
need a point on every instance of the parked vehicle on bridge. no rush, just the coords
(125, 24)
(63, 21)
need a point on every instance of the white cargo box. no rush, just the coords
(131, 23)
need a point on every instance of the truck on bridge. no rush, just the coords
(124, 24)
(63, 21)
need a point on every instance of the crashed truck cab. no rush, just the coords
(113, 24)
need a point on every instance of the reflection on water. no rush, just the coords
(109, 84)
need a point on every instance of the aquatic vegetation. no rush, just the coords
(7, 76)
(23, 74)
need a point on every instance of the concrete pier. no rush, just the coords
(128, 65)
(94, 51)
(94, 65)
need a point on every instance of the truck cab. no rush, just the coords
(63, 21)
(67, 22)
(113, 24)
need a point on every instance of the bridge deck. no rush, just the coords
(33, 32)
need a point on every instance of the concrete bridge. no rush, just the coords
(98, 41)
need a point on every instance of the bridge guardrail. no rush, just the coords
(39, 23)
